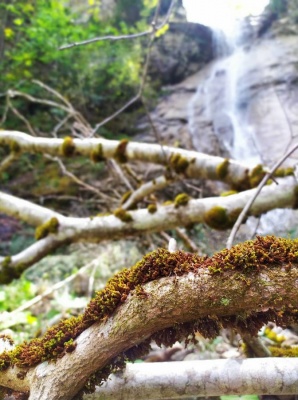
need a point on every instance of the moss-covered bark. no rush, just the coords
(168, 297)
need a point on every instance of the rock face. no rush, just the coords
(182, 51)
(244, 105)
(249, 101)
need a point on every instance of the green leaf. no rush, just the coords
(162, 30)
(18, 21)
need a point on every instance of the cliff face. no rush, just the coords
(252, 93)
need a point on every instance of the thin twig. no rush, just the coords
(65, 172)
(190, 244)
(21, 117)
(108, 37)
(7, 161)
(251, 201)
(153, 29)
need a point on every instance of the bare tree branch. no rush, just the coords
(179, 380)
(256, 194)
(190, 163)
(141, 221)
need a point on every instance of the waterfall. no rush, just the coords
(224, 107)
(222, 97)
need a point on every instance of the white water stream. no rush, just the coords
(222, 100)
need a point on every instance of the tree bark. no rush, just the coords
(164, 303)
(199, 165)
(180, 380)
(100, 228)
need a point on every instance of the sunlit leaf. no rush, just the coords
(8, 33)
(162, 30)
(18, 21)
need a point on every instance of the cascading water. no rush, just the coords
(222, 101)
(230, 116)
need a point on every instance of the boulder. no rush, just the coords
(182, 51)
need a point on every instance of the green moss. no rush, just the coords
(120, 155)
(14, 147)
(152, 208)
(51, 226)
(103, 214)
(222, 169)
(168, 173)
(225, 301)
(256, 254)
(233, 216)
(284, 351)
(67, 148)
(9, 272)
(179, 163)
(96, 154)
(282, 172)
(256, 175)
(181, 199)
(250, 257)
(123, 215)
(168, 203)
(6, 262)
(217, 218)
(126, 196)
(228, 193)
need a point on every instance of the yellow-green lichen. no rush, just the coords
(179, 163)
(103, 214)
(217, 218)
(96, 154)
(126, 196)
(51, 226)
(67, 148)
(283, 351)
(14, 146)
(222, 169)
(123, 215)
(152, 208)
(120, 155)
(228, 193)
(6, 262)
(181, 199)
(256, 175)
(9, 271)
(282, 172)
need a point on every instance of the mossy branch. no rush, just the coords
(220, 213)
(165, 297)
(189, 163)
